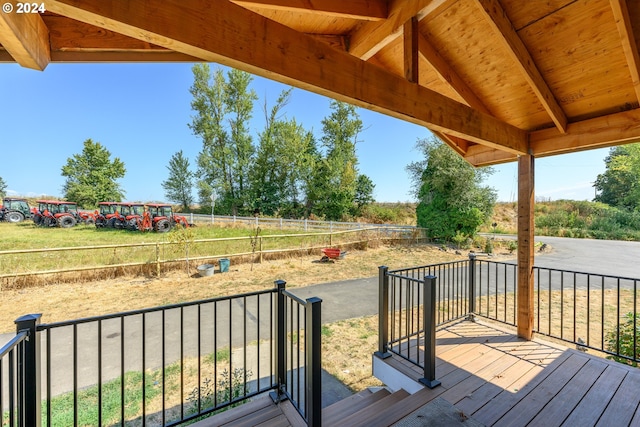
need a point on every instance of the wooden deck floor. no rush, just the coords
(490, 376)
(497, 379)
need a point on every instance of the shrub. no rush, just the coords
(624, 339)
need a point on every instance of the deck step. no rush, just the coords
(366, 416)
(345, 407)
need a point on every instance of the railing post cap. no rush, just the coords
(28, 318)
(314, 300)
(383, 267)
(280, 282)
(472, 255)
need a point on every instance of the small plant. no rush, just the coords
(488, 246)
(621, 340)
(254, 239)
(512, 245)
(182, 238)
(229, 387)
(459, 239)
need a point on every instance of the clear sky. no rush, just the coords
(140, 112)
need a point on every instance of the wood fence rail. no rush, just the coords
(47, 261)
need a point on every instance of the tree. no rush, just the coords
(364, 192)
(179, 184)
(337, 174)
(3, 188)
(91, 176)
(618, 186)
(223, 109)
(451, 200)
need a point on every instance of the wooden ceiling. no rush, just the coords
(493, 78)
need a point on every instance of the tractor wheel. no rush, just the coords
(100, 222)
(49, 222)
(37, 219)
(89, 221)
(14, 216)
(163, 226)
(118, 224)
(66, 221)
(111, 223)
(132, 224)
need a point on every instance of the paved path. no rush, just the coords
(357, 298)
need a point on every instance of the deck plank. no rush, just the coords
(597, 398)
(622, 406)
(563, 403)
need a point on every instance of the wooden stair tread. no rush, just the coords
(405, 407)
(345, 407)
(367, 415)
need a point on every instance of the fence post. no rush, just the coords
(429, 322)
(313, 361)
(260, 247)
(383, 312)
(305, 224)
(158, 259)
(281, 372)
(31, 369)
(472, 286)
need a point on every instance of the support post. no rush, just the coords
(383, 312)
(157, 259)
(313, 362)
(472, 286)
(526, 233)
(32, 369)
(429, 322)
(278, 395)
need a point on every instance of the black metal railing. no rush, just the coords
(591, 311)
(165, 365)
(11, 381)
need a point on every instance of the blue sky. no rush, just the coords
(140, 112)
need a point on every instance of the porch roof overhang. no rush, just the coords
(494, 79)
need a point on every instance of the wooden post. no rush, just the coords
(158, 259)
(526, 201)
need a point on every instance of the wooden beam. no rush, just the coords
(605, 131)
(236, 37)
(449, 76)
(480, 155)
(371, 37)
(410, 38)
(26, 38)
(458, 145)
(514, 46)
(370, 10)
(628, 41)
(526, 203)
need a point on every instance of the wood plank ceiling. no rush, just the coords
(493, 78)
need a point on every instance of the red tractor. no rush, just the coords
(106, 211)
(131, 214)
(159, 217)
(56, 213)
(15, 210)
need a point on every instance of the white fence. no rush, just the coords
(281, 223)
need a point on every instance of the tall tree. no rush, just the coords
(179, 185)
(451, 199)
(223, 107)
(335, 197)
(619, 184)
(3, 188)
(92, 176)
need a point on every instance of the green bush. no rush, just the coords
(624, 340)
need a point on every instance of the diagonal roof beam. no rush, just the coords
(235, 36)
(371, 37)
(628, 41)
(503, 27)
(26, 38)
(449, 76)
(370, 10)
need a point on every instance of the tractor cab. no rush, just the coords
(106, 211)
(15, 210)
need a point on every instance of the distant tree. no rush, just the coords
(619, 185)
(451, 199)
(3, 188)
(179, 185)
(91, 176)
(223, 107)
(338, 171)
(364, 192)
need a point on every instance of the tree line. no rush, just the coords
(286, 171)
